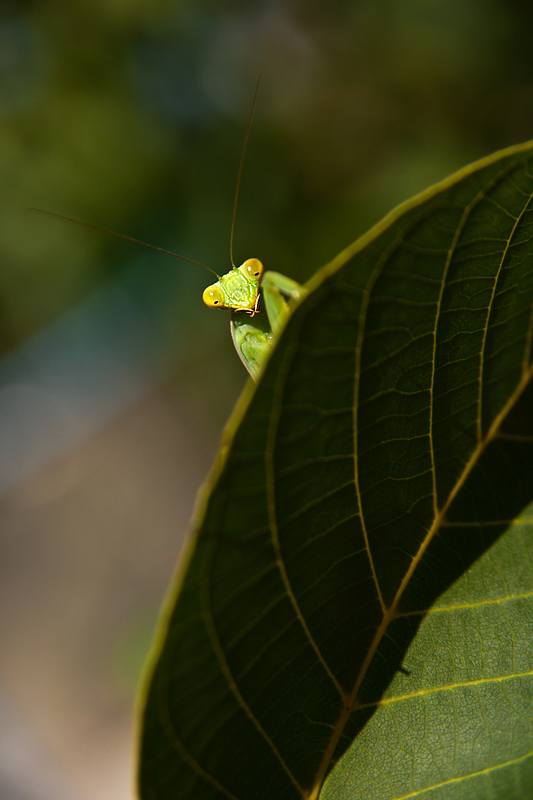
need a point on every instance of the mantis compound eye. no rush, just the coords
(252, 268)
(213, 296)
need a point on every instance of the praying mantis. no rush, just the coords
(240, 290)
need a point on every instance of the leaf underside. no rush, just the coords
(388, 445)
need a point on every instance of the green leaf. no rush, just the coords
(388, 445)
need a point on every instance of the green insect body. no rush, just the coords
(239, 291)
(252, 344)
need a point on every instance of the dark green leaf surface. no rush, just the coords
(388, 445)
(459, 725)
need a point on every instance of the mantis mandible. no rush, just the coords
(240, 289)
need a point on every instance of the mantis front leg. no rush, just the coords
(254, 342)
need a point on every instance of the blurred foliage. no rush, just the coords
(131, 115)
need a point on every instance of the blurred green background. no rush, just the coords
(115, 380)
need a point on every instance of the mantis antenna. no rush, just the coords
(247, 132)
(162, 249)
(122, 236)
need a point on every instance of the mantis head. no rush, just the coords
(238, 289)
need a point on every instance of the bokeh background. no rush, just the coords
(115, 380)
